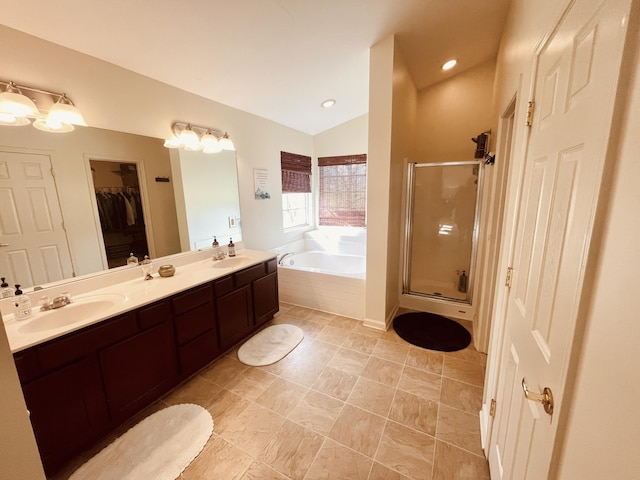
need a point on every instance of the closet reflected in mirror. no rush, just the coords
(119, 205)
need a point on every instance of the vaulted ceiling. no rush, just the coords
(278, 59)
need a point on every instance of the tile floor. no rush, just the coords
(348, 403)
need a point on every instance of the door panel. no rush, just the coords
(577, 70)
(31, 223)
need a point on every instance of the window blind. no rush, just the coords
(343, 190)
(296, 173)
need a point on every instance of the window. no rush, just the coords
(295, 209)
(296, 189)
(343, 190)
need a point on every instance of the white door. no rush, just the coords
(34, 247)
(576, 76)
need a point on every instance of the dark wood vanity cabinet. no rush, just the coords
(141, 368)
(265, 295)
(245, 301)
(63, 388)
(235, 310)
(83, 384)
(68, 410)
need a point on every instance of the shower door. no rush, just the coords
(441, 229)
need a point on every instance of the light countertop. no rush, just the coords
(116, 294)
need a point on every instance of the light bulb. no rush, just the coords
(210, 143)
(189, 139)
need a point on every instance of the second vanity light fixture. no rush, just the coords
(17, 108)
(196, 138)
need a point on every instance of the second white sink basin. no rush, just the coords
(77, 311)
(232, 262)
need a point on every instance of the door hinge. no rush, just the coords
(530, 108)
(492, 409)
(507, 282)
(53, 172)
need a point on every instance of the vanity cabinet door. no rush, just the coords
(235, 316)
(195, 327)
(68, 411)
(265, 298)
(141, 368)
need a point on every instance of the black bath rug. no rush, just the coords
(428, 330)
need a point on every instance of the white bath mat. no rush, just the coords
(270, 345)
(160, 447)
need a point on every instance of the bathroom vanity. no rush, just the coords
(82, 383)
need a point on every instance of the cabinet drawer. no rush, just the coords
(78, 344)
(248, 275)
(192, 299)
(223, 286)
(272, 265)
(154, 315)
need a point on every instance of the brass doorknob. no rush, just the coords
(545, 398)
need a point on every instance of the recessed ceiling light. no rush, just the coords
(328, 103)
(449, 65)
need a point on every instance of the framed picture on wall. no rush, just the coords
(260, 177)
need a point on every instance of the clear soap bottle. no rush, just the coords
(132, 260)
(147, 267)
(22, 305)
(5, 290)
(231, 248)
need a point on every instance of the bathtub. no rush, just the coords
(331, 282)
(329, 263)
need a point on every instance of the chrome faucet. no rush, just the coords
(57, 302)
(285, 255)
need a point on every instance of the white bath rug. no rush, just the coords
(270, 345)
(160, 447)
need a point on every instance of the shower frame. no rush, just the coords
(408, 233)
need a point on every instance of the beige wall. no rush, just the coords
(453, 111)
(378, 178)
(349, 138)
(402, 151)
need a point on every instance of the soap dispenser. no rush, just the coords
(231, 248)
(6, 290)
(462, 282)
(132, 260)
(22, 305)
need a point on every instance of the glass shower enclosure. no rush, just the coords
(442, 218)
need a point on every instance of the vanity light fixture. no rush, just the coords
(196, 138)
(449, 65)
(18, 108)
(226, 143)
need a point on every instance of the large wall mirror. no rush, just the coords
(79, 203)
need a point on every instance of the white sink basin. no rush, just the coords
(77, 311)
(232, 262)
